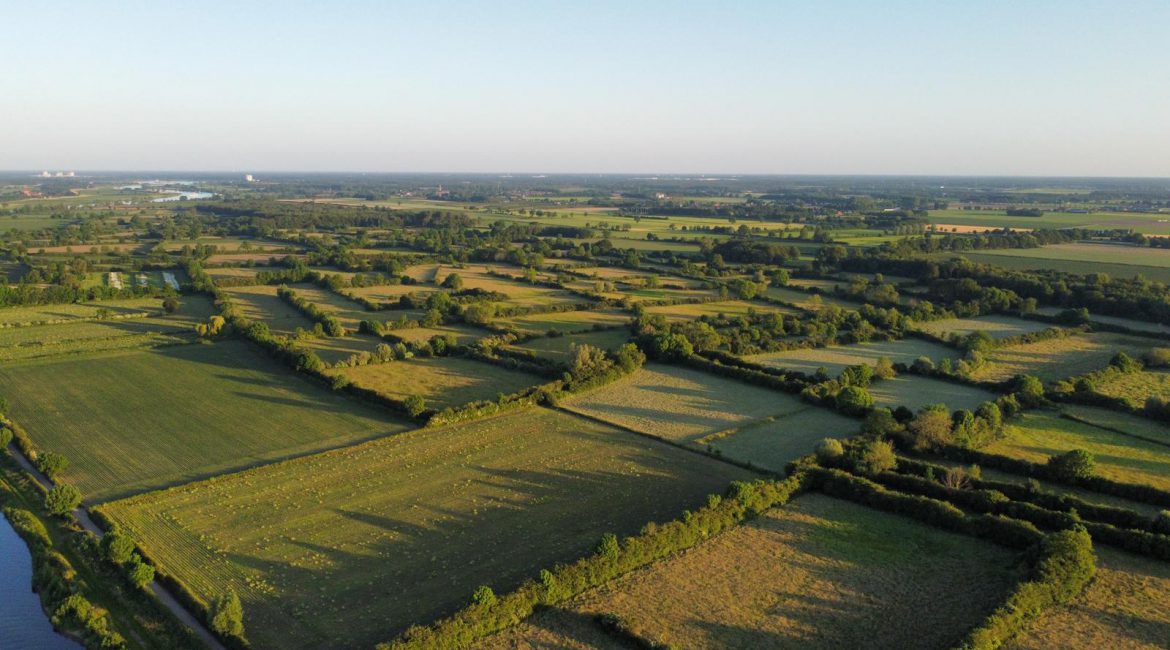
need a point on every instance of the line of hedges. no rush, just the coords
(743, 501)
(1131, 491)
(329, 323)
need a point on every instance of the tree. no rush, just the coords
(171, 304)
(51, 464)
(874, 457)
(588, 361)
(452, 282)
(880, 422)
(140, 573)
(1028, 390)
(854, 400)
(227, 614)
(608, 547)
(884, 368)
(119, 548)
(415, 405)
(829, 451)
(480, 313)
(931, 427)
(62, 499)
(1072, 466)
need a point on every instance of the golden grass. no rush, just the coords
(818, 573)
(1058, 358)
(441, 381)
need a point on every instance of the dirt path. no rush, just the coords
(165, 597)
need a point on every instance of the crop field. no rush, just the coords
(997, 327)
(40, 314)
(914, 392)
(731, 308)
(1058, 358)
(817, 573)
(321, 547)
(772, 443)
(1153, 224)
(838, 358)
(808, 301)
(129, 421)
(1123, 608)
(563, 321)
(1135, 387)
(1116, 260)
(1038, 435)
(441, 381)
(680, 404)
(262, 304)
(560, 348)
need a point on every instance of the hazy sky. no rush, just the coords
(944, 87)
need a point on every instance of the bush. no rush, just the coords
(829, 451)
(931, 427)
(1157, 357)
(140, 573)
(854, 400)
(5, 437)
(880, 422)
(51, 464)
(874, 457)
(1162, 522)
(227, 615)
(1072, 466)
(1029, 390)
(62, 499)
(484, 596)
(119, 548)
(415, 405)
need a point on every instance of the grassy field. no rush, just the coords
(17, 316)
(682, 405)
(817, 573)
(146, 325)
(1116, 260)
(1038, 435)
(914, 392)
(1123, 608)
(347, 548)
(563, 321)
(560, 348)
(135, 421)
(997, 326)
(1155, 224)
(808, 301)
(1135, 387)
(730, 308)
(772, 443)
(836, 359)
(1059, 358)
(261, 303)
(463, 333)
(441, 381)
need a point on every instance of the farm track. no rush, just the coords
(165, 597)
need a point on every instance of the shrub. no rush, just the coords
(415, 405)
(608, 547)
(51, 464)
(1125, 363)
(140, 573)
(1029, 390)
(874, 457)
(62, 499)
(227, 615)
(1072, 466)
(483, 595)
(1157, 357)
(880, 422)
(5, 437)
(854, 400)
(1162, 522)
(829, 451)
(931, 427)
(119, 548)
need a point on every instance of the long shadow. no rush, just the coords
(379, 569)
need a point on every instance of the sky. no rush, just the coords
(1071, 88)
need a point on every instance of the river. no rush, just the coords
(23, 624)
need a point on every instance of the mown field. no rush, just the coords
(997, 327)
(1155, 224)
(817, 573)
(347, 548)
(808, 301)
(1123, 608)
(772, 443)
(1058, 358)
(1115, 260)
(1038, 435)
(262, 304)
(914, 392)
(563, 321)
(441, 381)
(838, 358)
(560, 348)
(1136, 387)
(682, 405)
(140, 420)
(730, 308)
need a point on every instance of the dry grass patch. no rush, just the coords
(681, 404)
(441, 381)
(838, 358)
(560, 348)
(914, 392)
(817, 573)
(564, 321)
(997, 327)
(1059, 358)
(348, 548)
(730, 308)
(1123, 608)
